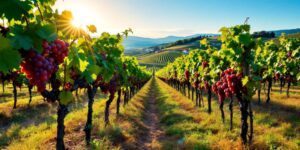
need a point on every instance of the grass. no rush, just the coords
(274, 126)
(42, 135)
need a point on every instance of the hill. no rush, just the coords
(155, 61)
(286, 31)
(135, 42)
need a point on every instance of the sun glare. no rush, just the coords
(83, 17)
(77, 23)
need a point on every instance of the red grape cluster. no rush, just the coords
(39, 68)
(229, 84)
(57, 50)
(206, 85)
(204, 64)
(187, 74)
(286, 77)
(277, 76)
(68, 86)
(196, 81)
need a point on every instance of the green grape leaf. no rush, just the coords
(93, 69)
(15, 9)
(245, 80)
(47, 32)
(83, 65)
(66, 97)
(92, 28)
(22, 41)
(9, 58)
(245, 39)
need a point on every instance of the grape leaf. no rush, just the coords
(15, 9)
(92, 28)
(245, 39)
(22, 41)
(65, 97)
(93, 69)
(9, 58)
(245, 80)
(47, 32)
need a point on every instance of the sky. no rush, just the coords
(160, 18)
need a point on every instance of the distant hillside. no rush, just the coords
(189, 43)
(135, 42)
(287, 31)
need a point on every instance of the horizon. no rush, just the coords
(158, 19)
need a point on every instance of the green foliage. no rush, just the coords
(15, 9)
(65, 97)
(9, 57)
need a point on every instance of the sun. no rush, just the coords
(76, 22)
(83, 17)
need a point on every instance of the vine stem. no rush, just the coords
(251, 122)
(37, 5)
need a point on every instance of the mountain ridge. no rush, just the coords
(136, 42)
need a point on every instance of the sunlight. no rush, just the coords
(76, 22)
(83, 15)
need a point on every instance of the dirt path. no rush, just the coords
(151, 121)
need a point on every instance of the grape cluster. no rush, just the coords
(277, 76)
(187, 74)
(68, 86)
(57, 50)
(196, 81)
(229, 84)
(206, 85)
(204, 64)
(286, 77)
(39, 68)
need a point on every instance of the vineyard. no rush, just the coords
(41, 49)
(72, 87)
(236, 72)
(161, 58)
(155, 61)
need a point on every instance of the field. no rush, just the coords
(155, 61)
(181, 47)
(160, 58)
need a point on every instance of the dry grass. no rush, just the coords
(275, 127)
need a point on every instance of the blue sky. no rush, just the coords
(158, 18)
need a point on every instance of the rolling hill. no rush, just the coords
(136, 42)
(286, 31)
